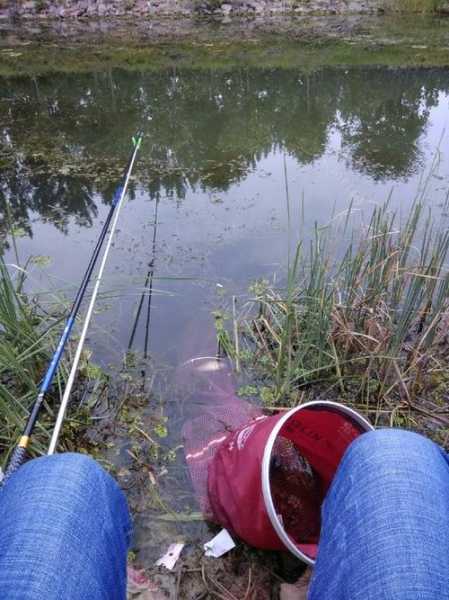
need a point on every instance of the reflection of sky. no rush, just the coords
(212, 237)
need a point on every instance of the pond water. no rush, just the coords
(219, 147)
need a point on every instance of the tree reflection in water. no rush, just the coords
(64, 137)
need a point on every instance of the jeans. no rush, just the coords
(385, 522)
(65, 527)
(64, 532)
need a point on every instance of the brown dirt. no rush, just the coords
(240, 575)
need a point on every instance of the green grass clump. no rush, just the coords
(370, 324)
(28, 336)
(25, 341)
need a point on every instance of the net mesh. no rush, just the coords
(211, 388)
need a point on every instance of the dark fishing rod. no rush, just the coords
(20, 451)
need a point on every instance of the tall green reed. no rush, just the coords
(372, 316)
(26, 342)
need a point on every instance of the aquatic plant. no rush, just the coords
(369, 322)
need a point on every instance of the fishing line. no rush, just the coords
(148, 285)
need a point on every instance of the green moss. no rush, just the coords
(41, 60)
(414, 6)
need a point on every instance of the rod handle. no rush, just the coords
(17, 459)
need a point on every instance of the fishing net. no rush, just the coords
(209, 386)
(225, 443)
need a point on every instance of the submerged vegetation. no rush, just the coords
(364, 324)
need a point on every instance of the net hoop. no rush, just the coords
(265, 470)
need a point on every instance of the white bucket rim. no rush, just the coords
(265, 471)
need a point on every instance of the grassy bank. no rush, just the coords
(28, 336)
(363, 321)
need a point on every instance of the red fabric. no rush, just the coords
(322, 438)
(234, 475)
(234, 485)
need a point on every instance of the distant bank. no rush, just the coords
(85, 9)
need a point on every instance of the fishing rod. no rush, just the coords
(19, 454)
(148, 280)
(71, 379)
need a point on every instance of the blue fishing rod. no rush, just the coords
(20, 452)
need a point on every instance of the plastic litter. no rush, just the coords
(170, 558)
(219, 545)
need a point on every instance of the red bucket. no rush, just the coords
(267, 480)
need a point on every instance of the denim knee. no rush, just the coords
(80, 466)
(66, 526)
(387, 461)
(385, 524)
(387, 445)
(68, 478)
(76, 470)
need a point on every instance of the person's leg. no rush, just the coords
(385, 522)
(64, 532)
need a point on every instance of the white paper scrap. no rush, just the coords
(171, 556)
(220, 544)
